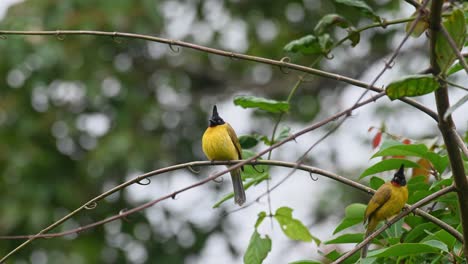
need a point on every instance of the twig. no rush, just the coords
(173, 43)
(408, 210)
(461, 143)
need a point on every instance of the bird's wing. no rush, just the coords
(235, 140)
(380, 198)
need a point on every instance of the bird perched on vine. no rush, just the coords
(220, 142)
(387, 201)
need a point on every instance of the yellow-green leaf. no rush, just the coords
(413, 85)
(455, 26)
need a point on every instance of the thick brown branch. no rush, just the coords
(446, 126)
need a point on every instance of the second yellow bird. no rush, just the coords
(220, 142)
(387, 201)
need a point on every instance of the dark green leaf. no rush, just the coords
(261, 217)
(307, 45)
(291, 227)
(455, 25)
(455, 106)
(354, 36)
(328, 21)
(406, 249)
(362, 6)
(438, 184)
(376, 182)
(413, 85)
(346, 238)
(258, 249)
(248, 141)
(386, 165)
(354, 214)
(418, 232)
(272, 106)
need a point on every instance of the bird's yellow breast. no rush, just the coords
(218, 145)
(398, 198)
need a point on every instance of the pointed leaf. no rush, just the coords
(354, 214)
(406, 249)
(455, 25)
(362, 6)
(376, 182)
(258, 249)
(413, 85)
(261, 217)
(346, 238)
(272, 106)
(291, 227)
(307, 45)
(330, 20)
(248, 141)
(386, 165)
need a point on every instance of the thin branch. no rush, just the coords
(454, 47)
(174, 43)
(278, 163)
(461, 143)
(404, 213)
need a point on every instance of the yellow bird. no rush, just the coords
(220, 142)
(387, 201)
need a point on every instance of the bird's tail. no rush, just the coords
(370, 228)
(239, 193)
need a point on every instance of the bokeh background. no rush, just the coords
(83, 114)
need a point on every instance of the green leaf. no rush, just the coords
(354, 36)
(261, 217)
(455, 25)
(258, 249)
(406, 249)
(305, 262)
(418, 232)
(346, 238)
(307, 45)
(386, 165)
(438, 184)
(437, 244)
(354, 214)
(455, 68)
(445, 237)
(248, 141)
(291, 227)
(417, 150)
(362, 7)
(412, 85)
(376, 182)
(272, 106)
(455, 106)
(284, 133)
(330, 20)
